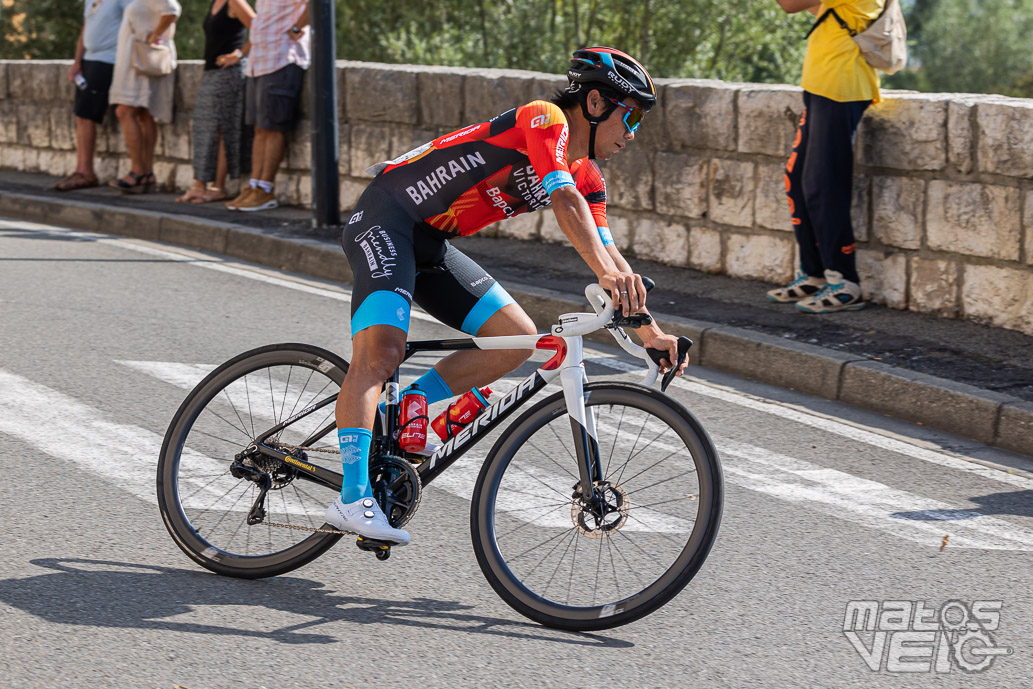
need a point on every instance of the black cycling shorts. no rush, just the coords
(396, 260)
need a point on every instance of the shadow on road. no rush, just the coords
(1018, 503)
(102, 593)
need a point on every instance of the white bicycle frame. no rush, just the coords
(566, 340)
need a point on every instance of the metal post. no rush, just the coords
(326, 196)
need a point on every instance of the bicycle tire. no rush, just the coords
(528, 452)
(197, 440)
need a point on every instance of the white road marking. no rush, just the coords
(830, 426)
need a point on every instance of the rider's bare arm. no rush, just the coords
(611, 268)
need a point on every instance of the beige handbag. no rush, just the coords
(151, 60)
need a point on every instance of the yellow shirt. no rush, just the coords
(834, 67)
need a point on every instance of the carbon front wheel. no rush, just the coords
(569, 564)
(207, 495)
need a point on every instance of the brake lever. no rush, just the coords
(634, 320)
(657, 354)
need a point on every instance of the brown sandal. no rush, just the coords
(211, 195)
(192, 195)
(76, 180)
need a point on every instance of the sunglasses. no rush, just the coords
(632, 118)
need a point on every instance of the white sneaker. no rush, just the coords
(838, 294)
(803, 286)
(365, 518)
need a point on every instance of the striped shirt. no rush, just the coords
(272, 48)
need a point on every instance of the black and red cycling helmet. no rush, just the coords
(611, 68)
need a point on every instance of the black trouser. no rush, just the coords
(819, 184)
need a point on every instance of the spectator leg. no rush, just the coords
(85, 145)
(126, 115)
(272, 153)
(149, 138)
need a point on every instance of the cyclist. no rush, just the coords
(535, 155)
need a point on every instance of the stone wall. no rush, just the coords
(943, 194)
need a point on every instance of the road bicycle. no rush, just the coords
(594, 508)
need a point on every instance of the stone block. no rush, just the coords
(1005, 139)
(550, 231)
(197, 233)
(1027, 221)
(299, 147)
(661, 241)
(12, 157)
(3, 80)
(960, 151)
(545, 86)
(973, 219)
(883, 277)
(998, 296)
(188, 81)
(731, 192)
(897, 210)
(759, 256)
(768, 118)
(106, 167)
(912, 396)
(700, 114)
(304, 197)
(8, 122)
(184, 178)
(771, 209)
(381, 93)
(860, 194)
(371, 144)
(489, 92)
(441, 98)
(20, 78)
(652, 134)
(705, 250)
(51, 83)
(351, 190)
(62, 128)
(775, 360)
(934, 286)
(620, 229)
(523, 226)
(31, 161)
(629, 177)
(682, 187)
(165, 174)
(906, 131)
(344, 163)
(176, 140)
(33, 126)
(1015, 427)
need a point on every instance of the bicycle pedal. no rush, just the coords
(381, 548)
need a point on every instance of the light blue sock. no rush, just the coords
(355, 463)
(267, 187)
(432, 384)
(253, 183)
(435, 387)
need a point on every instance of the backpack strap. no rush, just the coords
(839, 19)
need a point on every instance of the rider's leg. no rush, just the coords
(470, 368)
(376, 353)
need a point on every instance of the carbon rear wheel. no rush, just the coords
(579, 565)
(208, 482)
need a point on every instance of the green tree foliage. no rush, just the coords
(970, 46)
(750, 40)
(49, 29)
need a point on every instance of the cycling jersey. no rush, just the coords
(466, 180)
(455, 185)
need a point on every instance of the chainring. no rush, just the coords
(397, 487)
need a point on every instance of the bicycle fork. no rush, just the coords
(582, 426)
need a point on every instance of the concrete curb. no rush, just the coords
(986, 416)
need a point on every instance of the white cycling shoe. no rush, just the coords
(365, 518)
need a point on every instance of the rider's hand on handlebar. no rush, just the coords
(626, 290)
(669, 344)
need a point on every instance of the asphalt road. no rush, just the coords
(825, 504)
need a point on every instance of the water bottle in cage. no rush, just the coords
(461, 412)
(413, 420)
